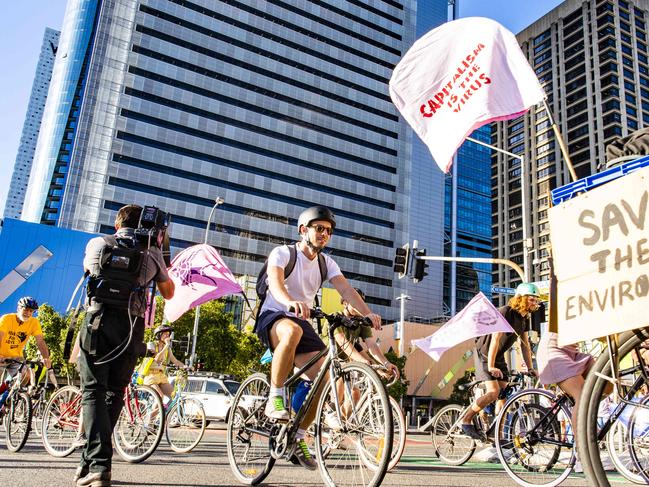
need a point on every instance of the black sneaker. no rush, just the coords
(471, 432)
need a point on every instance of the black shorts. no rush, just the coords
(482, 367)
(310, 341)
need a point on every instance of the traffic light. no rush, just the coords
(402, 260)
(420, 266)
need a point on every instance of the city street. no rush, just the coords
(208, 465)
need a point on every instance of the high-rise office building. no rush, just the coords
(23, 165)
(274, 106)
(472, 222)
(592, 59)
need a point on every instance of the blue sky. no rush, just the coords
(22, 24)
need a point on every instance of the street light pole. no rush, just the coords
(197, 314)
(402, 320)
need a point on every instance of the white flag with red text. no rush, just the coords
(458, 77)
(477, 318)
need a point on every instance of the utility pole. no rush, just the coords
(197, 314)
(402, 321)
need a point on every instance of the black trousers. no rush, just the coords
(103, 385)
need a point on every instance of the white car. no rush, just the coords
(214, 391)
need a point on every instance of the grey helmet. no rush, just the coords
(160, 330)
(316, 213)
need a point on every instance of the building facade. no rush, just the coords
(31, 127)
(591, 57)
(273, 106)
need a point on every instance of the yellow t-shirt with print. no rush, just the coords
(16, 334)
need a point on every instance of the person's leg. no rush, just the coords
(166, 389)
(491, 394)
(573, 387)
(284, 336)
(300, 360)
(96, 420)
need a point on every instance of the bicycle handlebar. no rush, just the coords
(338, 319)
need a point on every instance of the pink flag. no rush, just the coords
(459, 77)
(478, 318)
(199, 275)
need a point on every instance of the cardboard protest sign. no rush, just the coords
(600, 242)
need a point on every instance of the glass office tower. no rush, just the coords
(274, 106)
(31, 127)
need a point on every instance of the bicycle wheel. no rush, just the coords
(249, 431)
(638, 439)
(617, 445)
(185, 425)
(140, 425)
(534, 441)
(18, 420)
(450, 444)
(596, 382)
(61, 421)
(398, 433)
(362, 453)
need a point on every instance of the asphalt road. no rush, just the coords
(208, 465)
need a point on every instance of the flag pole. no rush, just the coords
(562, 145)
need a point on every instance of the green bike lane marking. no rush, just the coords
(423, 460)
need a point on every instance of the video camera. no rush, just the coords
(152, 229)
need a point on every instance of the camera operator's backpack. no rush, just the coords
(262, 284)
(120, 262)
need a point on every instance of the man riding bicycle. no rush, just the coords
(289, 334)
(15, 330)
(490, 365)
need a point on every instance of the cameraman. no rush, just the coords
(111, 337)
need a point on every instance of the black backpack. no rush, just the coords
(120, 262)
(262, 285)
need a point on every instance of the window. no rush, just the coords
(541, 37)
(214, 387)
(625, 27)
(541, 47)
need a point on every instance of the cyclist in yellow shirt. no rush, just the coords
(15, 329)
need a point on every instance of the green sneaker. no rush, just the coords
(275, 409)
(304, 456)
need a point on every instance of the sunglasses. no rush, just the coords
(322, 229)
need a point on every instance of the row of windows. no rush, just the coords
(253, 128)
(266, 237)
(192, 176)
(258, 89)
(261, 52)
(284, 23)
(290, 81)
(251, 148)
(293, 45)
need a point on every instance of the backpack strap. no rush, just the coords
(292, 258)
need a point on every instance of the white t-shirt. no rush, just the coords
(305, 280)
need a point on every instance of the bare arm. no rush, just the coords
(166, 288)
(174, 360)
(45, 352)
(526, 350)
(377, 353)
(348, 347)
(349, 294)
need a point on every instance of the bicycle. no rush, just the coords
(40, 394)
(535, 440)
(355, 450)
(450, 444)
(140, 425)
(185, 422)
(16, 413)
(606, 371)
(61, 418)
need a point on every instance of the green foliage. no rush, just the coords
(54, 327)
(400, 388)
(462, 397)
(220, 347)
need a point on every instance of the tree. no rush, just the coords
(220, 347)
(459, 396)
(400, 388)
(54, 327)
